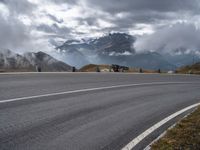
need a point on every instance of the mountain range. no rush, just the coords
(115, 48)
(11, 61)
(118, 48)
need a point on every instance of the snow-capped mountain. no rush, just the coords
(12, 61)
(106, 45)
(94, 50)
(116, 48)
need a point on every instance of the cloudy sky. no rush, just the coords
(32, 25)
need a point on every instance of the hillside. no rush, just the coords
(191, 69)
(93, 68)
(108, 68)
(46, 62)
(11, 61)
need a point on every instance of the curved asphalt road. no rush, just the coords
(91, 120)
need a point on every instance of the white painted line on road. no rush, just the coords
(140, 137)
(126, 73)
(24, 73)
(92, 89)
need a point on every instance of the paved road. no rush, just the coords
(90, 120)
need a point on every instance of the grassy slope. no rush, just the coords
(195, 69)
(184, 136)
(93, 67)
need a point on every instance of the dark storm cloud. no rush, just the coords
(124, 23)
(70, 2)
(89, 21)
(115, 6)
(131, 20)
(137, 11)
(144, 11)
(54, 18)
(45, 28)
(55, 29)
(2, 1)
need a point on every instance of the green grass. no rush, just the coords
(184, 136)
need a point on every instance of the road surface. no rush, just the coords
(101, 111)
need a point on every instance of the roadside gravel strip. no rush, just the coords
(184, 135)
(139, 138)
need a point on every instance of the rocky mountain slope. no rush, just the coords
(10, 61)
(46, 62)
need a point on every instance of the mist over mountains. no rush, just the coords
(113, 48)
(106, 49)
(119, 48)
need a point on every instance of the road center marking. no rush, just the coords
(140, 137)
(91, 89)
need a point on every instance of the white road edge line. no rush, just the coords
(140, 137)
(90, 89)
(132, 73)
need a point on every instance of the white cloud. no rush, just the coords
(182, 37)
(4, 11)
(142, 29)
